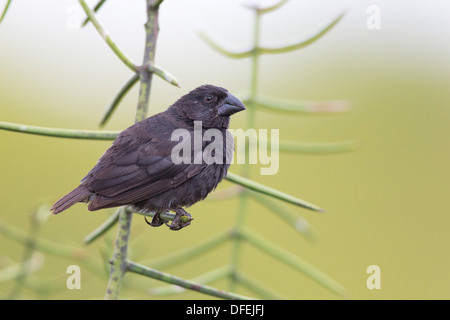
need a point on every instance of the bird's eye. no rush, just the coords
(208, 99)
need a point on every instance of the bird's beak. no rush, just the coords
(230, 106)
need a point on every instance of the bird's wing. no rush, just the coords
(141, 171)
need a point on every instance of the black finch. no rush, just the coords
(138, 168)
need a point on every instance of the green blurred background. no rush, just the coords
(387, 202)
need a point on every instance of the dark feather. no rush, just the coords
(79, 194)
(138, 169)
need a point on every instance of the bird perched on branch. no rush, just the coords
(160, 164)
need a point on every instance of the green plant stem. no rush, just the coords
(60, 133)
(237, 243)
(165, 216)
(309, 147)
(119, 260)
(5, 9)
(315, 147)
(255, 186)
(303, 107)
(129, 84)
(254, 67)
(257, 287)
(272, 7)
(162, 276)
(103, 228)
(106, 37)
(14, 271)
(51, 247)
(258, 50)
(118, 98)
(145, 73)
(206, 278)
(37, 220)
(298, 223)
(243, 199)
(231, 53)
(303, 43)
(163, 74)
(96, 8)
(285, 256)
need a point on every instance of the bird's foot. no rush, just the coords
(182, 219)
(156, 220)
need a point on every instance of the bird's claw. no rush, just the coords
(156, 221)
(182, 219)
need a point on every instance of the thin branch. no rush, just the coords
(165, 216)
(107, 38)
(163, 74)
(51, 247)
(38, 218)
(222, 48)
(14, 271)
(118, 98)
(303, 43)
(313, 107)
(60, 133)
(206, 278)
(96, 8)
(272, 7)
(5, 9)
(218, 45)
(298, 223)
(166, 76)
(103, 228)
(257, 287)
(260, 7)
(255, 186)
(297, 263)
(312, 147)
(317, 147)
(162, 276)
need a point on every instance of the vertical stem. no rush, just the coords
(37, 220)
(119, 259)
(255, 60)
(151, 34)
(119, 263)
(243, 199)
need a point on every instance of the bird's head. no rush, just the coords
(210, 104)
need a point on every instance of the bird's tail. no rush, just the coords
(79, 194)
